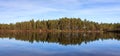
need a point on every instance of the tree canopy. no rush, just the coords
(65, 23)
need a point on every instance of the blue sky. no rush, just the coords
(12, 11)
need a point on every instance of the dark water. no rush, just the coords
(59, 44)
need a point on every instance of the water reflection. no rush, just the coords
(61, 38)
(59, 44)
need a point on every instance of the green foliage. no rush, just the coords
(61, 24)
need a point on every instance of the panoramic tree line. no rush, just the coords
(62, 24)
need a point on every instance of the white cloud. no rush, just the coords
(95, 11)
(99, 1)
(22, 8)
(27, 8)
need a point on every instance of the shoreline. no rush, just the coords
(89, 31)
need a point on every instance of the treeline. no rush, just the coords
(66, 24)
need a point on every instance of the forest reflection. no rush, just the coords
(66, 38)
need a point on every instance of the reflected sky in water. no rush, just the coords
(99, 47)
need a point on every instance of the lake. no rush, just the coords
(59, 44)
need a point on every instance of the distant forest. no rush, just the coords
(62, 24)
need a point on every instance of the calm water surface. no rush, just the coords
(59, 44)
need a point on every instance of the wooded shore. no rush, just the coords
(48, 31)
(60, 25)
